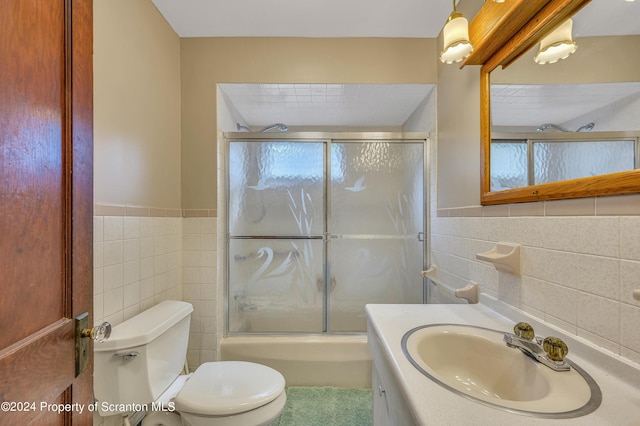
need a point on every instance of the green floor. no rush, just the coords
(326, 406)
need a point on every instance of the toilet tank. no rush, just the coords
(143, 356)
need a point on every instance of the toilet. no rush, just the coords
(139, 367)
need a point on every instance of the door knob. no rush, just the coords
(99, 333)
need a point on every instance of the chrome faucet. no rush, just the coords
(549, 351)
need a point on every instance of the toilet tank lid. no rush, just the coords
(146, 326)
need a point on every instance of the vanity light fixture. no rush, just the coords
(456, 38)
(557, 45)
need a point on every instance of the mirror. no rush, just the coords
(596, 90)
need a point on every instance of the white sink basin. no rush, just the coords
(476, 363)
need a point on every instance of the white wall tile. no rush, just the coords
(98, 254)
(598, 275)
(561, 233)
(113, 252)
(98, 280)
(599, 316)
(209, 242)
(113, 276)
(113, 228)
(113, 301)
(561, 302)
(131, 228)
(131, 294)
(98, 229)
(191, 242)
(209, 225)
(146, 289)
(146, 268)
(146, 248)
(630, 238)
(630, 327)
(630, 281)
(131, 272)
(191, 225)
(131, 250)
(532, 293)
(598, 235)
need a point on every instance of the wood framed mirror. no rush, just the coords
(517, 48)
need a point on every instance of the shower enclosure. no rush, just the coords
(320, 224)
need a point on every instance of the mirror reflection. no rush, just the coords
(576, 118)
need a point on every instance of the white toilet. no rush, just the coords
(141, 362)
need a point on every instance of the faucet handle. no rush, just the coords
(524, 331)
(555, 348)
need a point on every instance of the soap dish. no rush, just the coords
(504, 256)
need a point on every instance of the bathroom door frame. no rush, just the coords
(327, 138)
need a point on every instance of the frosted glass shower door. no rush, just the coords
(377, 223)
(276, 232)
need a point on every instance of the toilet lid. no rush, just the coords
(229, 387)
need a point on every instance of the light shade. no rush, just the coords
(456, 39)
(557, 45)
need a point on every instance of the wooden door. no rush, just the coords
(46, 212)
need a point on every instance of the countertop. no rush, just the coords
(431, 404)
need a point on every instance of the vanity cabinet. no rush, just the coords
(389, 406)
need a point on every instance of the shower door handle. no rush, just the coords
(320, 282)
(420, 236)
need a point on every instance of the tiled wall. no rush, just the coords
(137, 263)
(580, 262)
(199, 277)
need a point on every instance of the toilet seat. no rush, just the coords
(224, 388)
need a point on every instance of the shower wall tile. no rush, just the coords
(578, 269)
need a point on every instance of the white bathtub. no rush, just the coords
(342, 361)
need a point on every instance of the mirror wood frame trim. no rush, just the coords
(495, 24)
(610, 184)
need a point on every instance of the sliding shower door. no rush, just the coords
(319, 228)
(276, 236)
(377, 220)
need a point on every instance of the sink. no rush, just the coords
(476, 363)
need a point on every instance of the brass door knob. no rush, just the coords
(524, 331)
(555, 348)
(99, 333)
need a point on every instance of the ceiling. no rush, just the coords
(356, 105)
(305, 18)
(355, 18)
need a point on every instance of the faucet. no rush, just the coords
(549, 351)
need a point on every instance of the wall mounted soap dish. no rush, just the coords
(504, 256)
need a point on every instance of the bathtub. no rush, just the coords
(341, 361)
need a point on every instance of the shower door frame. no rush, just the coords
(326, 138)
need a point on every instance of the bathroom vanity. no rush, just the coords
(403, 395)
